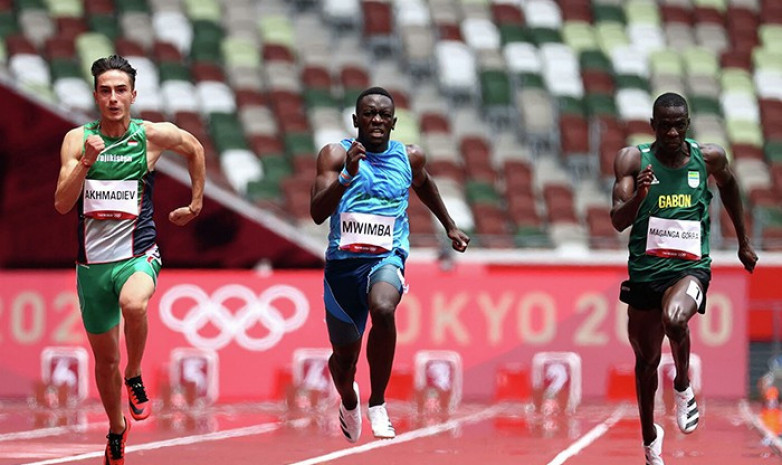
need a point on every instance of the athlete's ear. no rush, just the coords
(133, 96)
(393, 123)
(355, 121)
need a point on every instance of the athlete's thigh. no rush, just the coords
(136, 280)
(681, 300)
(645, 331)
(386, 285)
(98, 299)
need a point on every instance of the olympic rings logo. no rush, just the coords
(256, 309)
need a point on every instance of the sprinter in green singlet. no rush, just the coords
(107, 171)
(661, 191)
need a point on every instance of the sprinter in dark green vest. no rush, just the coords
(661, 191)
(107, 172)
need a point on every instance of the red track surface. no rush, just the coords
(606, 434)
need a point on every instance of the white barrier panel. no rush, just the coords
(554, 371)
(440, 370)
(66, 366)
(311, 371)
(197, 367)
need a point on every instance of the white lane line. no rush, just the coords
(405, 437)
(769, 438)
(590, 437)
(183, 441)
(46, 432)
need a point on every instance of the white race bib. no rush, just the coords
(111, 200)
(674, 238)
(360, 232)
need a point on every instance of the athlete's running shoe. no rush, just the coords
(138, 401)
(686, 410)
(115, 447)
(350, 420)
(381, 424)
(654, 451)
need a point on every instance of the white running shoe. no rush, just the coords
(381, 424)
(686, 410)
(654, 451)
(350, 420)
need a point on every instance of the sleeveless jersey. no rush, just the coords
(371, 219)
(115, 208)
(671, 231)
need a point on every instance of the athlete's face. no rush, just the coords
(670, 126)
(114, 95)
(374, 119)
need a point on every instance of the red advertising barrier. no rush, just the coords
(492, 316)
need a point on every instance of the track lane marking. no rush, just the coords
(589, 437)
(405, 437)
(182, 441)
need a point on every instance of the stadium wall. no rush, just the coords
(491, 315)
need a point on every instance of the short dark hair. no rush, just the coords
(101, 65)
(373, 91)
(669, 99)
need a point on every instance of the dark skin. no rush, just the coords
(374, 120)
(646, 328)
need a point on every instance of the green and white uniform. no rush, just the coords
(116, 231)
(670, 235)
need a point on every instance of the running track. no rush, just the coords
(730, 433)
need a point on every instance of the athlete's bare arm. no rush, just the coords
(426, 190)
(76, 157)
(718, 167)
(631, 185)
(327, 191)
(167, 136)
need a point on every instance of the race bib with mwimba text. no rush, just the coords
(671, 238)
(361, 232)
(111, 200)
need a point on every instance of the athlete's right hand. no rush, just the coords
(644, 181)
(356, 152)
(93, 146)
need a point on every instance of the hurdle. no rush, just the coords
(195, 373)
(64, 370)
(311, 376)
(439, 372)
(553, 371)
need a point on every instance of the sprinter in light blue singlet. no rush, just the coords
(362, 187)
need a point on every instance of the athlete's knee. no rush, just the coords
(133, 308)
(675, 320)
(344, 358)
(382, 313)
(107, 362)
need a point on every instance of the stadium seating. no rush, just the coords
(520, 105)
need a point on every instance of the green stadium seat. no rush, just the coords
(65, 8)
(8, 24)
(482, 193)
(605, 13)
(594, 60)
(104, 24)
(203, 10)
(125, 6)
(514, 33)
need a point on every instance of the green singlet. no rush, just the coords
(670, 234)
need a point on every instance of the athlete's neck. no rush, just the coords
(374, 148)
(672, 158)
(114, 129)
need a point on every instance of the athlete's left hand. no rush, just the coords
(182, 215)
(459, 239)
(748, 256)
